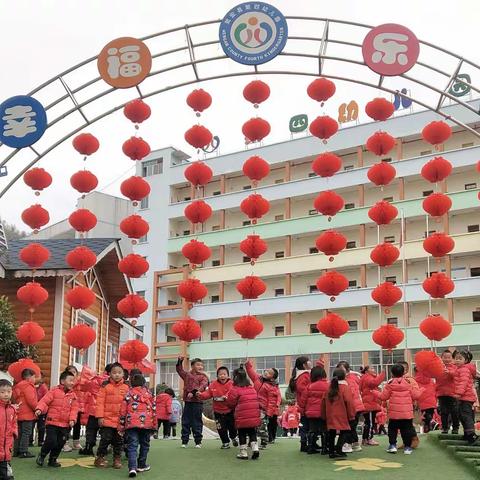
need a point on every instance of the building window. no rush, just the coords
(144, 203)
(247, 187)
(143, 239)
(473, 228)
(246, 259)
(280, 331)
(215, 263)
(427, 234)
(217, 192)
(349, 206)
(388, 199)
(352, 284)
(313, 211)
(213, 335)
(392, 321)
(388, 160)
(186, 232)
(187, 199)
(352, 244)
(152, 167)
(392, 279)
(245, 223)
(214, 298)
(426, 193)
(476, 316)
(279, 180)
(312, 174)
(279, 254)
(466, 145)
(313, 328)
(312, 250)
(312, 289)
(279, 292)
(278, 218)
(171, 303)
(215, 228)
(389, 239)
(426, 152)
(475, 272)
(348, 167)
(141, 293)
(87, 356)
(470, 186)
(353, 324)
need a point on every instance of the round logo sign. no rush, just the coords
(124, 62)
(253, 33)
(23, 121)
(390, 49)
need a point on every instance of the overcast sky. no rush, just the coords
(42, 38)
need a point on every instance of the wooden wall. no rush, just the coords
(114, 333)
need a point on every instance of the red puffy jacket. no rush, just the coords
(446, 384)
(400, 395)
(368, 384)
(464, 385)
(338, 412)
(218, 391)
(244, 402)
(293, 416)
(138, 410)
(90, 397)
(381, 417)
(313, 398)
(60, 406)
(109, 401)
(268, 392)
(8, 430)
(427, 399)
(25, 396)
(353, 380)
(302, 382)
(164, 406)
(42, 390)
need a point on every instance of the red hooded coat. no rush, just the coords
(25, 396)
(8, 430)
(313, 398)
(339, 411)
(446, 384)
(464, 385)
(244, 401)
(428, 398)
(400, 395)
(368, 385)
(218, 391)
(164, 406)
(138, 410)
(268, 392)
(60, 406)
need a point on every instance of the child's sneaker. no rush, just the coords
(225, 446)
(77, 445)
(67, 448)
(372, 443)
(198, 445)
(184, 445)
(243, 455)
(347, 448)
(235, 442)
(392, 449)
(132, 473)
(408, 450)
(356, 447)
(40, 460)
(146, 468)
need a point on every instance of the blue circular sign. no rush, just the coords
(253, 33)
(23, 121)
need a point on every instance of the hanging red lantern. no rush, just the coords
(86, 144)
(332, 284)
(255, 206)
(30, 333)
(327, 164)
(84, 181)
(198, 136)
(436, 170)
(136, 148)
(37, 179)
(438, 244)
(81, 258)
(328, 203)
(133, 265)
(438, 285)
(15, 369)
(383, 212)
(436, 132)
(331, 243)
(196, 252)
(133, 351)
(80, 336)
(256, 168)
(256, 129)
(381, 174)
(134, 226)
(333, 326)
(380, 143)
(388, 336)
(379, 109)
(321, 89)
(137, 111)
(199, 100)
(135, 188)
(385, 254)
(386, 294)
(187, 329)
(132, 305)
(32, 294)
(251, 287)
(198, 174)
(82, 220)
(198, 211)
(34, 255)
(323, 127)
(248, 327)
(192, 290)
(80, 297)
(35, 217)
(435, 327)
(437, 204)
(253, 247)
(256, 92)
(429, 364)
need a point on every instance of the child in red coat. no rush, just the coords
(243, 399)
(369, 384)
(164, 411)
(293, 417)
(445, 391)
(8, 429)
(427, 402)
(381, 420)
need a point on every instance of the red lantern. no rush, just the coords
(386, 294)
(134, 226)
(34, 255)
(436, 132)
(438, 244)
(198, 211)
(429, 364)
(383, 212)
(35, 216)
(256, 129)
(327, 164)
(133, 265)
(187, 329)
(198, 173)
(37, 179)
(256, 92)
(135, 188)
(438, 285)
(321, 89)
(30, 333)
(80, 297)
(15, 369)
(82, 220)
(436, 170)
(385, 254)
(256, 168)
(133, 351)
(331, 243)
(199, 100)
(80, 336)
(81, 258)
(328, 203)
(137, 111)
(388, 336)
(84, 181)
(380, 143)
(196, 252)
(192, 290)
(379, 109)
(332, 284)
(255, 206)
(32, 294)
(253, 247)
(251, 287)
(132, 305)
(333, 326)
(323, 127)
(381, 173)
(198, 136)
(86, 144)
(437, 204)
(248, 327)
(435, 327)
(136, 148)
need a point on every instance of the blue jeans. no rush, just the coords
(192, 421)
(134, 438)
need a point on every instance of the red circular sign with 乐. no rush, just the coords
(124, 62)
(390, 49)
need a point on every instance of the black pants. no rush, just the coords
(405, 427)
(173, 426)
(353, 437)
(25, 429)
(40, 422)
(91, 431)
(54, 441)
(76, 428)
(427, 419)
(342, 437)
(303, 430)
(166, 427)
(6, 472)
(316, 430)
(110, 436)
(243, 433)
(382, 430)
(192, 422)
(369, 425)
(272, 428)
(449, 412)
(467, 417)
(225, 426)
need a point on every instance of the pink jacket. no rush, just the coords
(428, 398)
(293, 416)
(400, 395)
(244, 401)
(445, 386)
(464, 386)
(353, 380)
(368, 385)
(8, 430)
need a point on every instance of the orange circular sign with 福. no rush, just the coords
(124, 62)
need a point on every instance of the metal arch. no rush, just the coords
(190, 48)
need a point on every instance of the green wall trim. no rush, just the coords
(173, 350)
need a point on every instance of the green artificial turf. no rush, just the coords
(279, 461)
